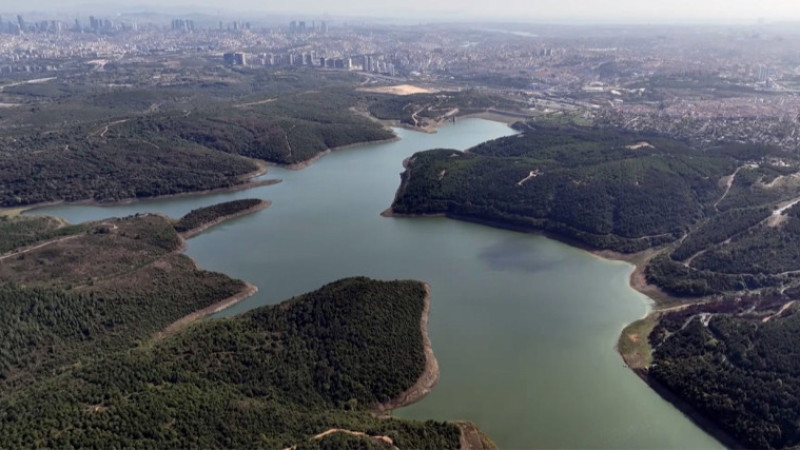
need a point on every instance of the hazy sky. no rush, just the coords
(442, 10)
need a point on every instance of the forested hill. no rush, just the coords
(738, 365)
(84, 361)
(75, 143)
(272, 378)
(101, 287)
(603, 188)
(717, 209)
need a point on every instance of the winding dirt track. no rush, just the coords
(37, 246)
(384, 439)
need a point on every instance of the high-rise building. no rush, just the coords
(763, 74)
(235, 59)
(182, 25)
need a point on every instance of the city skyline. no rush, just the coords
(624, 11)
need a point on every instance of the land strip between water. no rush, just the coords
(197, 230)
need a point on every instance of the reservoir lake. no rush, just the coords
(524, 327)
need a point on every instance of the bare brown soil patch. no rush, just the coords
(472, 438)
(400, 89)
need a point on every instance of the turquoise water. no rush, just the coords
(523, 327)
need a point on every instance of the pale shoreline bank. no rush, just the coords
(253, 209)
(638, 283)
(246, 292)
(247, 183)
(308, 162)
(430, 375)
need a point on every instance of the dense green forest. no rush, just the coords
(82, 362)
(681, 280)
(162, 154)
(202, 216)
(712, 209)
(741, 372)
(718, 228)
(80, 142)
(285, 130)
(589, 185)
(109, 170)
(271, 378)
(107, 288)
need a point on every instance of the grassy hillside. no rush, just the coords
(20, 231)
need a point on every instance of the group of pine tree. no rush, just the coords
(82, 362)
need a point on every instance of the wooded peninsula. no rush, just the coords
(83, 362)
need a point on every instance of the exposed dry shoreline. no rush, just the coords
(430, 375)
(472, 438)
(247, 291)
(637, 282)
(195, 231)
(244, 185)
(433, 126)
(303, 164)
